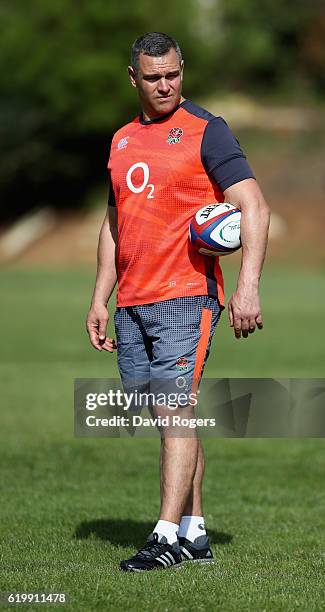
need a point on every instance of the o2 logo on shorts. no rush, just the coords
(145, 168)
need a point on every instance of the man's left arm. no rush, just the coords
(244, 309)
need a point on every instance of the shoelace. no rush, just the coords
(151, 549)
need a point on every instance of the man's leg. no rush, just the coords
(193, 505)
(192, 536)
(181, 474)
(178, 469)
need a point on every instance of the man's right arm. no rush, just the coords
(106, 277)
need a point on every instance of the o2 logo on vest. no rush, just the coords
(145, 184)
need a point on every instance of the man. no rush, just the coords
(168, 162)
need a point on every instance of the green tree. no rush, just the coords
(269, 44)
(64, 89)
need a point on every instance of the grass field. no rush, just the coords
(72, 508)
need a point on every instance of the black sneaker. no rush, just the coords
(198, 551)
(156, 554)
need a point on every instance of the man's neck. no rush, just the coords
(150, 117)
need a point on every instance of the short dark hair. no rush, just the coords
(154, 44)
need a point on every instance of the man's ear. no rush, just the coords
(131, 73)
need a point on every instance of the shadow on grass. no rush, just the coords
(130, 533)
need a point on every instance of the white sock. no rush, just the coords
(167, 529)
(191, 527)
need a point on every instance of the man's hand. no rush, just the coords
(96, 324)
(244, 312)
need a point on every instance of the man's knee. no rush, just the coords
(177, 422)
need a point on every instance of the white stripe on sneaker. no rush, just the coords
(164, 563)
(186, 552)
(170, 556)
(165, 558)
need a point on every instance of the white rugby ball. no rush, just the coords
(215, 229)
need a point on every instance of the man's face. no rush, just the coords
(159, 82)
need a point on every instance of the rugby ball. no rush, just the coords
(215, 229)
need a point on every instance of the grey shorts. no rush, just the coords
(165, 343)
